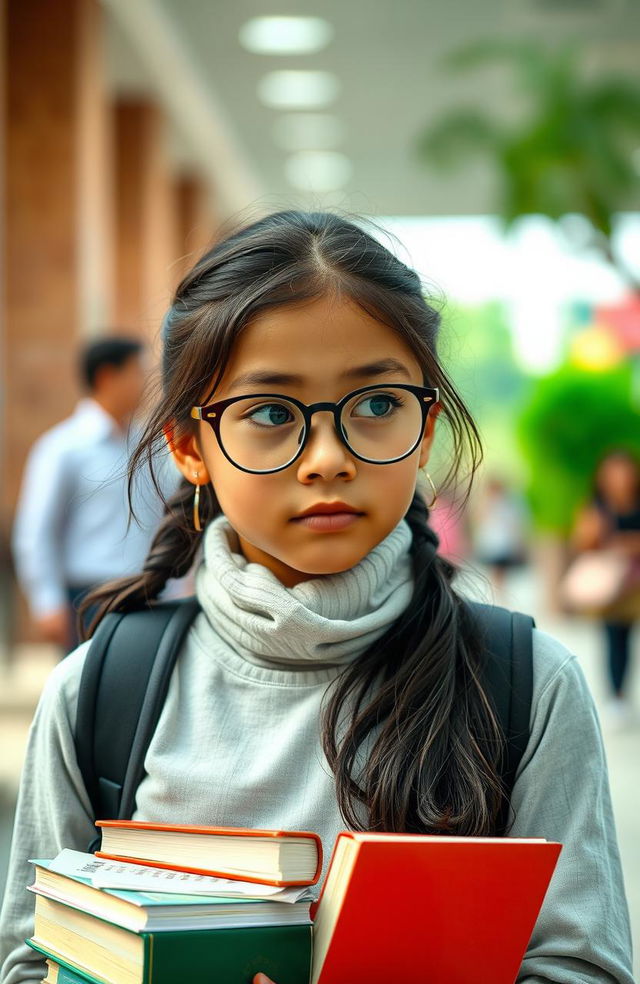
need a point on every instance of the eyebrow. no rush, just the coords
(266, 377)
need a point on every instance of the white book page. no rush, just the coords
(104, 873)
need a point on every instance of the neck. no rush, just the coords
(110, 407)
(327, 619)
(623, 502)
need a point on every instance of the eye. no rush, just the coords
(377, 405)
(270, 415)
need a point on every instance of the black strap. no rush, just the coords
(508, 679)
(142, 648)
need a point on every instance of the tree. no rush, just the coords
(571, 152)
(571, 419)
(476, 349)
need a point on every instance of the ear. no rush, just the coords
(186, 454)
(429, 434)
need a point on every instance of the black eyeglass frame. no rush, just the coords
(212, 414)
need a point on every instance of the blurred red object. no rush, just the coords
(624, 320)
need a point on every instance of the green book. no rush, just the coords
(104, 953)
(58, 974)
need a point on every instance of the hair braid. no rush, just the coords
(411, 701)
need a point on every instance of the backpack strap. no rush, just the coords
(508, 678)
(128, 666)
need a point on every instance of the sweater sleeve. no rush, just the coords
(582, 934)
(53, 812)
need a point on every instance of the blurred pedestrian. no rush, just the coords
(611, 522)
(449, 522)
(72, 527)
(499, 532)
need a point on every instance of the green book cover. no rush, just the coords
(221, 956)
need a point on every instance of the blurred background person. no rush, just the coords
(499, 532)
(71, 528)
(611, 522)
(449, 520)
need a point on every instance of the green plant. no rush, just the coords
(570, 150)
(476, 347)
(570, 420)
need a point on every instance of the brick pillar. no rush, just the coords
(56, 246)
(56, 237)
(146, 218)
(197, 222)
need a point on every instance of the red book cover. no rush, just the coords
(216, 831)
(430, 910)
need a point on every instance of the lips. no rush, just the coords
(328, 509)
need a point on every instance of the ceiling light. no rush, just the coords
(298, 89)
(308, 131)
(318, 171)
(285, 35)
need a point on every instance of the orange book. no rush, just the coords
(430, 910)
(269, 857)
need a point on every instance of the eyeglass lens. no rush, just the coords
(262, 434)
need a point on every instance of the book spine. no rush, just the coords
(66, 976)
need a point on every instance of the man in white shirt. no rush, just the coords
(72, 528)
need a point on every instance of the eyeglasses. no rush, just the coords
(266, 432)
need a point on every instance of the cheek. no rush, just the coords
(256, 509)
(248, 501)
(396, 484)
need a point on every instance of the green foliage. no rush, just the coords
(476, 348)
(571, 419)
(570, 152)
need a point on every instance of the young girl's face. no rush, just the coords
(326, 348)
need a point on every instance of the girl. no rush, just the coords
(611, 521)
(332, 677)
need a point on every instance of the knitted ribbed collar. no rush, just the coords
(326, 620)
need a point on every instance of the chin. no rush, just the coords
(335, 564)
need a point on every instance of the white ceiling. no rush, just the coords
(387, 55)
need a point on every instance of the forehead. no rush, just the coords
(317, 340)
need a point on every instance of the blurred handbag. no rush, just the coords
(605, 583)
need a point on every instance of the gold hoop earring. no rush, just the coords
(197, 525)
(426, 474)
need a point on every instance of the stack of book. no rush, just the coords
(171, 904)
(168, 904)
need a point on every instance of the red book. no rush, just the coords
(269, 857)
(400, 908)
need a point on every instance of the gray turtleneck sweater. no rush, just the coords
(238, 744)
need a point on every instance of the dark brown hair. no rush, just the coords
(407, 728)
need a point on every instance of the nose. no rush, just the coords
(325, 456)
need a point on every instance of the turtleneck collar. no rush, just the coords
(327, 620)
